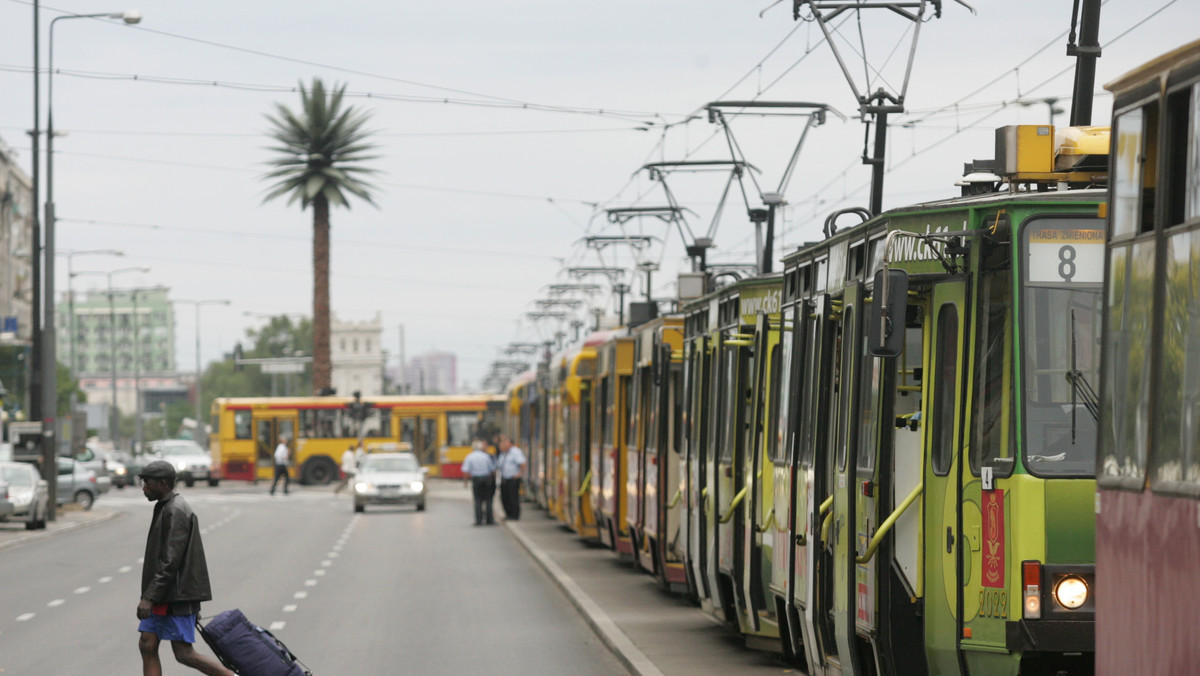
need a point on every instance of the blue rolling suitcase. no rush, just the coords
(247, 649)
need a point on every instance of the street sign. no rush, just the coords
(284, 367)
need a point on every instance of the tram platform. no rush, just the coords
(650, 631)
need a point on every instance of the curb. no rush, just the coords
(31, 536)
(608, 631)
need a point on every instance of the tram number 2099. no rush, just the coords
(993, 603)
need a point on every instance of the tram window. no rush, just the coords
(774, 442)
(781, 366)
(1177, 448)
(993, 406)
(1192, 210)
(945, 383)
(1133, 172)
(674, 405)
(731, 395)
(1179, 155)
(811, 381)
(870, 371)
(241, 425)
(604, 435)
(1125, 419)
(460, 428)
(845, 387)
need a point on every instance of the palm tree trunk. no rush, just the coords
(322, 368)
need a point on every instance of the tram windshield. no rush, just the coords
(1061, 320)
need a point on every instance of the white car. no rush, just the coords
(28, 493)
(389, 479)
(192, 463)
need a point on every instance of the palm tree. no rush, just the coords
(321, 150)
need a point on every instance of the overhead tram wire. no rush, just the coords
(511, 102)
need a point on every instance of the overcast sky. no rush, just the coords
(504, 128)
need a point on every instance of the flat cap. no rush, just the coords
(159, 469)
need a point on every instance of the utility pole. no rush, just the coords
(1086, 53)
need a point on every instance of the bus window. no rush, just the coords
(429, 442)
(241, 425)
(376, 423)
(408, 431)
(460, 428)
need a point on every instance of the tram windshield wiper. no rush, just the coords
(1080, 387)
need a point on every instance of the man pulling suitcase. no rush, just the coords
(174, 577)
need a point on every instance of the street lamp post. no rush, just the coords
(48, 358)
(201, 430)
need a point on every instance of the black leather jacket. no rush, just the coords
(174, 568)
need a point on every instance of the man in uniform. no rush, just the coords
(512, 469)
(479, 468)
(174, 577)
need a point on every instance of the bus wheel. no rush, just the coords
(318, 472)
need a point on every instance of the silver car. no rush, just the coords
(192, 462)
(27, 492)
(76, 483)
(389, 479)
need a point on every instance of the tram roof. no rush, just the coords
(1155, 68)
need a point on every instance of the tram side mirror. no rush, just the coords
(885, 330)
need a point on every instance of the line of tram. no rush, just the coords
(879, 461)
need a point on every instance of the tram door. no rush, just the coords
(421, 432)
(947, 328)
(268, 430)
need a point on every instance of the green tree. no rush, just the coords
(321, 150)
(279, 337)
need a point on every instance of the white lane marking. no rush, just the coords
(300, 595)
(276, 626)
(332, 555)
(56, 603)
(310, 583)
(83, 590)
(319, 572)
(124, 569)
(327, 563)
(106, 579)
(289, 608)
(26, 617)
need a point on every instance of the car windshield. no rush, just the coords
(16, 476)
(179, 448)
(403, 464)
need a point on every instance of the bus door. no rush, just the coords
(946, 333)
(268, 428)
(421, 432)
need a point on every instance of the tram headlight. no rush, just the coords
(1071, 592)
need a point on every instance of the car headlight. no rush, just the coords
(1071, 592)
(180, 465)
(362, 487)
(416, 485)
(119, 471)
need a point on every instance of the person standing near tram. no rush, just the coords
(479, 468)
(512, 470)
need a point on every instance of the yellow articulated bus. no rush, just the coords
(439, 429)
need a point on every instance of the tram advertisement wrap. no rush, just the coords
(993, 539)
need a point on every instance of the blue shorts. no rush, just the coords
(171, 627)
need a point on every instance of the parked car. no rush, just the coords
(76, 483)
(96, 462)
(6, 505)
(192, 462)
(27, 492)
(389, 479)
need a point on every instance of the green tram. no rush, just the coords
(730, 524)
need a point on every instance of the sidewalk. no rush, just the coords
(653, 633)
(70, 517)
